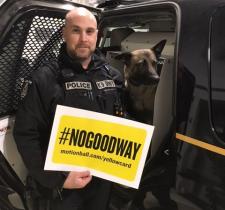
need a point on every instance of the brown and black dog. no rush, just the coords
(141, 80)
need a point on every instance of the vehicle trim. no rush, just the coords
(201, 144)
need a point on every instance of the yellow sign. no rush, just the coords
(110, 147)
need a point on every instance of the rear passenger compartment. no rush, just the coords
(138, 32)
(143, 30)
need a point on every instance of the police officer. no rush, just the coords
(81, 79)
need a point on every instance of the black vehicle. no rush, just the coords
(184, 170)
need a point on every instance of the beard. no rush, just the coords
(82, 52)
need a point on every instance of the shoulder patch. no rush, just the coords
(105, 84)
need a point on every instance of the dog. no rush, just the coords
(141, 80)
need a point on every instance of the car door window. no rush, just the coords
(217, 71)
(31, 41)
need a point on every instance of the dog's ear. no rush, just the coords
(124, 57)
(158, 48)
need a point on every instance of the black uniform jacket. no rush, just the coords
(64, 82)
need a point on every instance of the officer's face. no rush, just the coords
(80, 34)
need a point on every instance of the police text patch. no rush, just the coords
(78, 85)
(105, 84)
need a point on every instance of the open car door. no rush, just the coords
(134, 27)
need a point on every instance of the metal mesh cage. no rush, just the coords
(29, 43)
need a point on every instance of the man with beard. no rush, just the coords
(78, 64)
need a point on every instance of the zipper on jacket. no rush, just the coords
(90, 95)
(60, 193)
(90, 92)
(100, 98)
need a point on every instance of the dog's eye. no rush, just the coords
(154, 63)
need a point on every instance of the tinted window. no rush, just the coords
(218, 72)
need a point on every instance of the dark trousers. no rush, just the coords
(93, 197)
(69, 200)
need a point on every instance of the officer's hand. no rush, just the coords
(77, 180)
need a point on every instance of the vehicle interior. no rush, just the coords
(132, 32)
(33, 37)
(125, 33)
